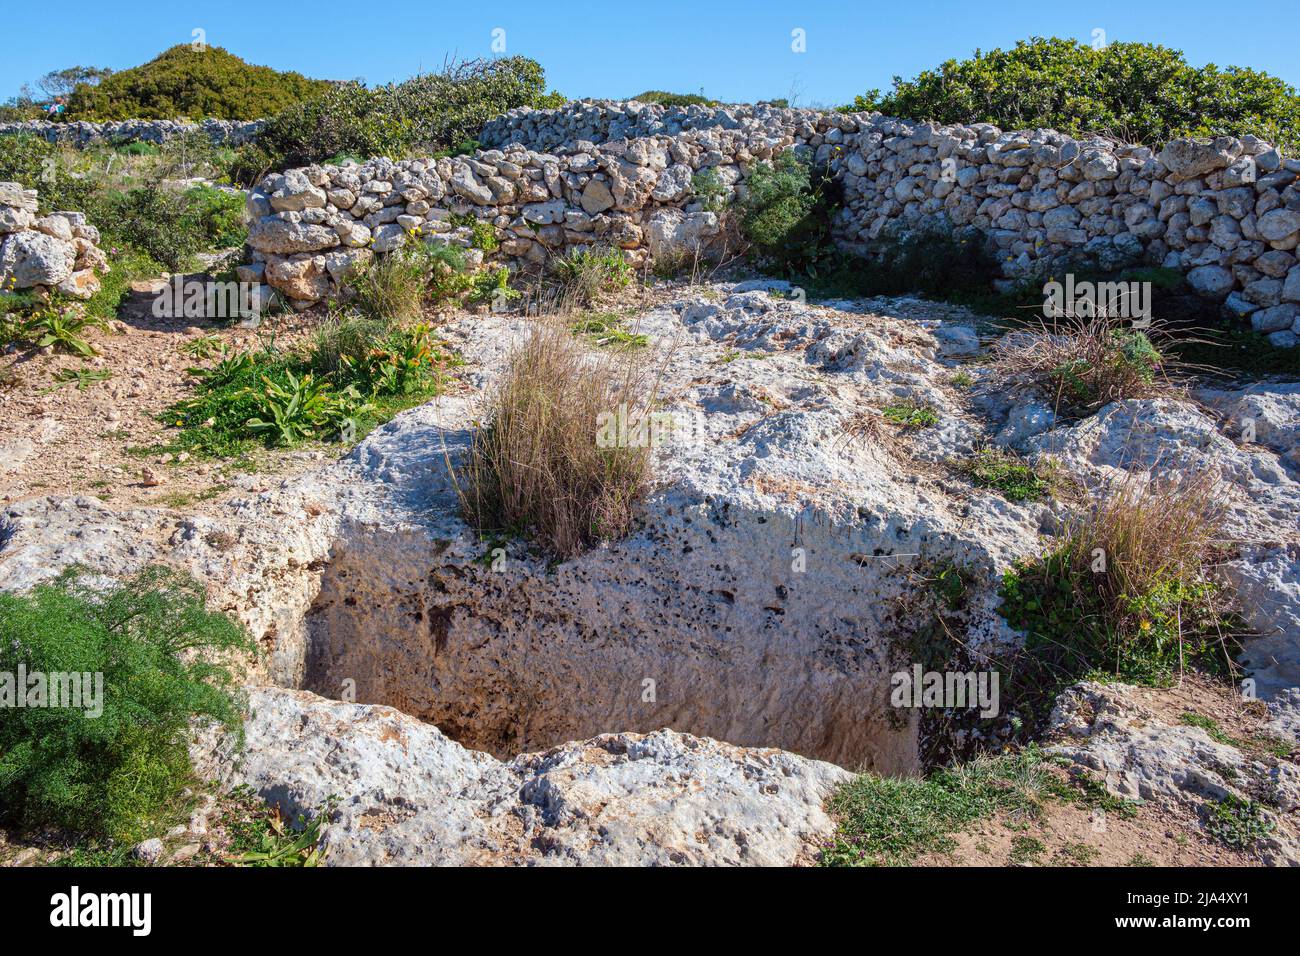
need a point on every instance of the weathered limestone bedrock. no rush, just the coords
(759, 602)
(81, 133)
(412, 796)
(764, 598)
(56, 252)
(1226, 213)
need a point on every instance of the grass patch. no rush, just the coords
(1237, 822)
(1026, 850)
(1008, 474)
(1127, 593)
(910, 415)
(1085, 364)
(586, 274)
(111, 774)
(551, 460)
(890, 821)
(1274, 746)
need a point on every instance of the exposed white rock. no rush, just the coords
(411, 796)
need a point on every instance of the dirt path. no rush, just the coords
(60, 434)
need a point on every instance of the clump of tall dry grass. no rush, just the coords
(1130, 590)
(1085, 363)
(551, 461)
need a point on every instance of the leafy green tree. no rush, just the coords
(1138, 92)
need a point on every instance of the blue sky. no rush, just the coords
(733, 51)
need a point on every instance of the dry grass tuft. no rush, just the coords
(1084, 364)
(549, 461)
(1131, 589)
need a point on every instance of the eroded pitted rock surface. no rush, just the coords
(413, 796)
(1141, 755)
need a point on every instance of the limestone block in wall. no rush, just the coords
(300, 276)
(286, 234)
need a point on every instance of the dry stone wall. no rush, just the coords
(81, 134)
(55, 252)
(1226, 213)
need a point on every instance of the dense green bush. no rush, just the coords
(192, 83)
(156, 221)
(217, 215)
(1138, 92)
(152, 640)
(429, 113)
(37, 164)
(785, 215)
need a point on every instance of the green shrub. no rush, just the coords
(483, 235)
(192, 83)
(1137, 92)
(584, 274)
(218, 216)
(785, 215)
(395, 287)
(40, 165)
(158, 222)
(709, 190)
(429, 113)
(151, 638)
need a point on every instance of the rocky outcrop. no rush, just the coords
(411, 796)
(1139, 755)
(80, 133)
(56, 252)
(764, 599)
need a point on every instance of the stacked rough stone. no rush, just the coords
(1226, 213)
(313, 227)
(81, 134)
(55, 252)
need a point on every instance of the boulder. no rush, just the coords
(34, 258)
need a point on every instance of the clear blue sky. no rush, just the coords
(734, 51)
